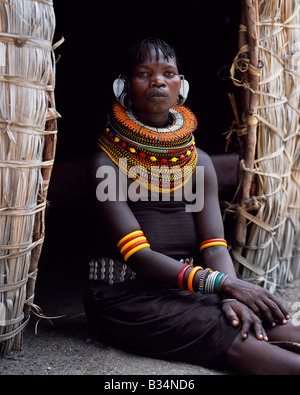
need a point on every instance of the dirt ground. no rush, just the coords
(66, 346)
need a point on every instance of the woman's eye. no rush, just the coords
(170, 74)
(143, 74)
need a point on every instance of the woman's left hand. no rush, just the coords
(263, 304)
(236, 311)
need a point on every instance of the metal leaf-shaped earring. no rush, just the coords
(119, 91)
(118, 86)
(183, 91)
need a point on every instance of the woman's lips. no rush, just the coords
(155, 92)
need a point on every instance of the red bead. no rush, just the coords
(182, 157)
(142, 155)
(164, 160)
(124, 144)
(192, 148)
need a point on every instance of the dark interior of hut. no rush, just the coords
(205, 36)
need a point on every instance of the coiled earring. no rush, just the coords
(125, 101)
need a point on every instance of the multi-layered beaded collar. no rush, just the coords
(168, 151)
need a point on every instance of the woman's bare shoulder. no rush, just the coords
(205, 160)
(98, 159)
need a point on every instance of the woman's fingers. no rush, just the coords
(236, 311)
(250, 319)
(259, 329)
(278, 310)
(272, 311)
(260, 301)
(230, 313)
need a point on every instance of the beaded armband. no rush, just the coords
(132, 243)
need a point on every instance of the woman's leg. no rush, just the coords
(256, 357)
(287, 332)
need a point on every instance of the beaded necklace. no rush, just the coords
(166, 153)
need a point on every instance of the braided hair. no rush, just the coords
(136, 53)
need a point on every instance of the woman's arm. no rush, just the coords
(209, 221)
(210, 225)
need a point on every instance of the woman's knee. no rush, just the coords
(288, 332)
(253, 356)
(247, 355)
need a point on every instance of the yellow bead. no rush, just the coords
(132, 150)
(107, 130)
(174, 159)
(188, 153)
(117, 139)
(152, 158)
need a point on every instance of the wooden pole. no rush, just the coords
(250, 8)
(39, 226)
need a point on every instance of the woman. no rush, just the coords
(142, 296)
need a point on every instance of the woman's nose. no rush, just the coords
(158, 81)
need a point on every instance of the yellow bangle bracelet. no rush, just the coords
(191, 278)
(213, 243)
(140, 238)
(130, 235)
(135, 250)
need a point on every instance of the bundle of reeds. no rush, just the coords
(267, 239)
(27, 149)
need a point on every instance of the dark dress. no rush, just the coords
(160, 321)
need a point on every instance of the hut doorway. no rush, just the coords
(205, 36)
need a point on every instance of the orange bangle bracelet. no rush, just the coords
(132, 246)
(132, 234)
(212, 240)
(212, 244)
(191, 278)
(129, 243)
(135, 249)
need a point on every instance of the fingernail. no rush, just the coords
(245, 335)
(287, 317)
(260, 336)
(284, 321)
(273, 324)
(234, 323)
(266, 338)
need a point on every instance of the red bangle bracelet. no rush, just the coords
(180, 276)
(138, 243)
(129, 239)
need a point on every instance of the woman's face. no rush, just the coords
(154, 85)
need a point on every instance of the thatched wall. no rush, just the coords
(27, 149)
(267, 242)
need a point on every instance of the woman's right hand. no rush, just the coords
(259, 300)
(237, 312)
